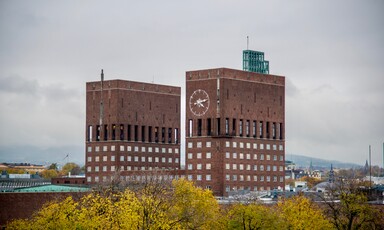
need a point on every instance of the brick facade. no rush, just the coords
(137, 128)
(235, 130)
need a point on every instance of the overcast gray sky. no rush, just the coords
(331, 53)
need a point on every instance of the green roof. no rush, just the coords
(53, 188)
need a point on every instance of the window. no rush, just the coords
(268, 157)
(162, 135)
(254, 146)
(199, 177)
(274, 130)
(247, 128)
(254, 128)
(89, 159)
(105, 132)
(142, 159)
(274, 157)
(143, 133)
(97, 158)
(254, 167)
(97, 149)
(241, 156)
(209, 127)
(136, 134)
(234, 155)
(89, 149)
(198, 166)
(241, 166)
(136, 159)
(122, 149)
(227, 177)
(112, 158)
(96, 168)
(113, 132)
(208, 144)
(226, 126)
(262, 157)
(268, 168)
(121, 132)
(105, 148)
(199, 124)
(112, 168)
(227, 144)
(129, 135)
(190, 129)
(199, 144)
(261, 129)
(208, 155)
(255, 156)
(227, 166)
(267, 129)
(234, 166)
(208, 177)
(176, 135)
(98, 133)
(89, 169)
(190, 177)
(208, 166)
(268, 178)
(169, 135)
(169, 160)
(248, 167)
(261, 178)
(105, 158)
(227, 155)
(190, 156)
(96, 179)
(129, 158)
(234, 177)
(190, 145)
(198, 156)
(156, 134)
(274, 168)
(149, 159)
(241, 127)
(104, 168)
(163, 160)
(254, 178)
(261, 167)
(248, 156)
(149, 133)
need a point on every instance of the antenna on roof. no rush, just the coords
(247, 42)
(101, 98)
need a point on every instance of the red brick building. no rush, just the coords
(235, 130)
(131, 127)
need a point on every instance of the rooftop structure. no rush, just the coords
(253, 61)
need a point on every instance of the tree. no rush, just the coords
(301, 213)
(253, 216)
(347, 208)
(49, 173)
(70, 167)
(193, 207)
(53, 166)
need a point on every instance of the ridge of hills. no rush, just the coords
(318, 163)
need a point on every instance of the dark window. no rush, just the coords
(163, 135)
(226, 126)
(218, 126)
(199, 124)
(121, 132)
(247, 128)
(267, 129)
(274, 130)
(169, 135)
(136, 133)
(241, 128)
(129, 133)
(98, 133)
(143, 133)
(234, 127)
(105, 132)
(156, 134)
(149, 133)
(254, 129)
(281, 131)
(261, 129)
(113, 132)
(209, 127)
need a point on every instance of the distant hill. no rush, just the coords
(317, 163)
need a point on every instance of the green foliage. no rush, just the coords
(300, 213)
(254, 216)
(49, 173)
(71, 167)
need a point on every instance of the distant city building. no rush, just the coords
(235, 130)
(131, 127)
(27, 167)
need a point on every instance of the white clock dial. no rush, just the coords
(199, 102)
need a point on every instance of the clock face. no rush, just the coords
(199, 102)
